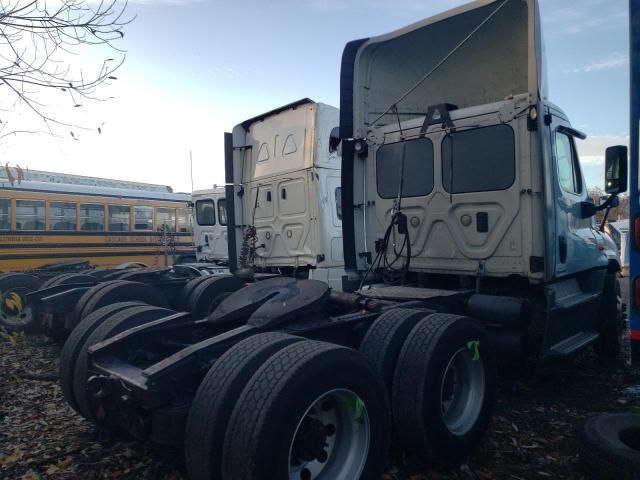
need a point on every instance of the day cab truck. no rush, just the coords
(468, 238)
(210, 225)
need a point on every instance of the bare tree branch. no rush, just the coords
(41, 46)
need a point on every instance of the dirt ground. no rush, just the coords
(533, 435)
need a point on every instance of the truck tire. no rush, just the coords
(210, 293)
(313, 409)
(444, 388)
(100, 273)
(76, 340)
(216, 397)
(183, 296)
(52, 281)
(142, 274)
(122, 291)
(383, 341)
(610, 320)
(610, 447)
(117, 323)
(84, 299)
(16, 315)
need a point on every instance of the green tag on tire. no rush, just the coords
(474, 347)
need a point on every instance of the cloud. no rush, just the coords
(614, 60)
(587, 15)
(593, 146)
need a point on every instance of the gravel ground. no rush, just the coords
(533, 435)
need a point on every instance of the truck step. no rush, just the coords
(572, 344)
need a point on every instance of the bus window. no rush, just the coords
(205, 213)
(143, 218)
(184, 222)
(62, 216)
(91, 217)
(29, 215)
(222, 211)
(5, 214)
(119, 216)
(166, 219)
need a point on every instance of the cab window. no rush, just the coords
(569, 175)
(222, 211)
(205, 213)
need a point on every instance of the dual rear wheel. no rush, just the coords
(279, 406)
(440, 371)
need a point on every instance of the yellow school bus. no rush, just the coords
(46, 222)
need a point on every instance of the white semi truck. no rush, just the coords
(210, 225)
(284, 178)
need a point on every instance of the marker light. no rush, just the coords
(360, 147)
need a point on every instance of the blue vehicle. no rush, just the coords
(634, 260)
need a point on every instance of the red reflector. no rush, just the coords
(636, 232)
(635, 335)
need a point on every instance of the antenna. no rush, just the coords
(191, 167)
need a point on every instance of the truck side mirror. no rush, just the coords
(334, 139)
(615, 170)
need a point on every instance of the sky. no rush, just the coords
(196, 68)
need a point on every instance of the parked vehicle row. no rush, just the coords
(379, 273)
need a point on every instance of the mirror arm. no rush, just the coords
(606, 205)
(604, 219)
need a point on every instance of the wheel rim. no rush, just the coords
(462, 391)
(14, 310)
(331, 440)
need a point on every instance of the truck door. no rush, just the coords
(576, 239)
(209, 230)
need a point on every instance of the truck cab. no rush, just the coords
(210, 225)
(285, 193)
(459, 172)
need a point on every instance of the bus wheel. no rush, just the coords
(16, 315)
(118, 291)
(112, 325)
(383, 341)
(610, 319)
(216, 397)
(444, 388)
(75, 342)
(210, 293)
(312, 410)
